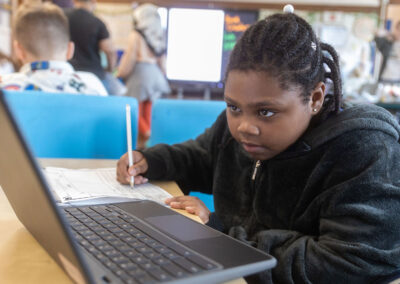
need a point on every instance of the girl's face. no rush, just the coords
(264, 118)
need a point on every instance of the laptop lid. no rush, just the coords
(31, 200)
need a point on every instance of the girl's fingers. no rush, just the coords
(124, 171)
(139, 179)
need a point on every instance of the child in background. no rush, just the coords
(389, 45)
(41, 43)
(143, 65)
(91, 37)
(293, 172)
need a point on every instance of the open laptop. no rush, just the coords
(128, 242)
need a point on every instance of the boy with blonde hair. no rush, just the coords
(41, 43)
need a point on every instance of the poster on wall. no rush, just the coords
(235, 23)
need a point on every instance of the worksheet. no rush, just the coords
(78, 184)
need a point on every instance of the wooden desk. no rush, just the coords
(22, 259)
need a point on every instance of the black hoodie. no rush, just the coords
(328, 207)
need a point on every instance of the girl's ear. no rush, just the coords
(317, 98)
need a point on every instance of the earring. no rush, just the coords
(314, 110)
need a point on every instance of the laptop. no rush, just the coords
(127, 242)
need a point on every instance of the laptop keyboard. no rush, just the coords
(131, 249)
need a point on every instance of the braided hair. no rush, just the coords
(285, 47)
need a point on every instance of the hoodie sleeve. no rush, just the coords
(358, 239)
(190, 164)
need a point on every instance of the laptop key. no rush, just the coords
(171, 255)
(148, 266)
(144, 250)
(146, 280)
(174, 270)
(78, 227)
(102, 258)
(137, 272)
(120, 259)
(93, 238)
(161, 261)
(186, 264)
(98, 243)
(111, 265)
(135, 244)
(128, 266)
(182, 251)
(132, 254)
(162, 249)
(152, 255)
(122, 234)
(105, 248)
(140, 259)
(116, 243)
(110, 226)
(202, 262)
(112, 253)
(110, 238)
(159, 274)
(124, 248)
(84, 243)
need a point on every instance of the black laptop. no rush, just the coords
(127, 242)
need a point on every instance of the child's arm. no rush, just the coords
(161, 61)
(107, 46)
(191, 204)
(129, 57)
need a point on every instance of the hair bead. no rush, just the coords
(288, 9)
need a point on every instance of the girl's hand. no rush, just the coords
(191, 204)
(124, 172)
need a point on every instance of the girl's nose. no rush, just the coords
(248, 128)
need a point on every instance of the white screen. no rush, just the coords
(195, 39)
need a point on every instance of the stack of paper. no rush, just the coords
(77, 184)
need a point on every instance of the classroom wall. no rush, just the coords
(363, 3)
(118, 18)
(5, 27)
(393, 13)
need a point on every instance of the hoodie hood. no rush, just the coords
(360, 117)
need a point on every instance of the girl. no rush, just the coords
(143, 65)
(292, 172)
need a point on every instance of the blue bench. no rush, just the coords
(74, 126)
(175, 121)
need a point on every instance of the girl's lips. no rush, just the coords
(252, 148)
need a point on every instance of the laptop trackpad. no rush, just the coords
(182, 228)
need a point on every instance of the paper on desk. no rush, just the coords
(75, 184)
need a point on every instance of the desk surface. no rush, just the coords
(22, 259)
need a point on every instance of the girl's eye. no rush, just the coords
(266, 113)
(233, 108)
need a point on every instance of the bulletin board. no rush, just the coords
(236, 22)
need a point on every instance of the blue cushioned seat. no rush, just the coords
(74, 126)
(175, 121)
